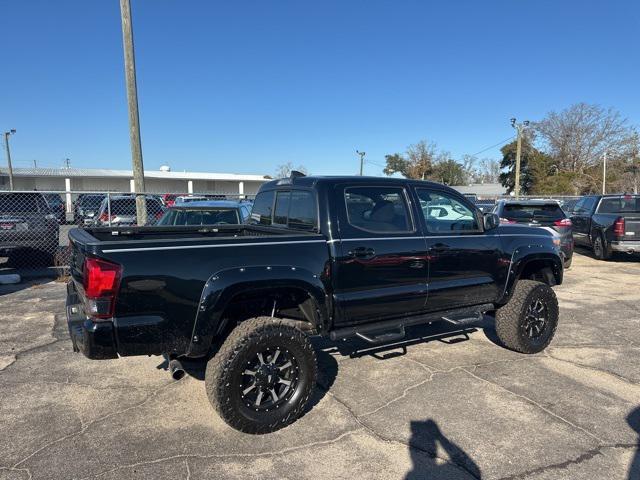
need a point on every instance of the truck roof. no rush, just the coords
(313, 180)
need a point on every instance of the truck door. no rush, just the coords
(381, 270)
(581, 220)
(466, 265)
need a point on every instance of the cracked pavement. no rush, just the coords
(444, 404)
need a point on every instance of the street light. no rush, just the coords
(362, 154)
(519, 128)
(6, 146)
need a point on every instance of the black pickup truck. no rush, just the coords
(333, 256)
(607, 224)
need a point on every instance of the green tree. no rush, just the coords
(446, 170)
(508, 163)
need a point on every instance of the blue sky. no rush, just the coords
(246, 85)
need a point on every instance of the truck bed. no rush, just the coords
(165, 269)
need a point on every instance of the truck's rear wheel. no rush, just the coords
(262, 377)
(528, 322)
(601, 250)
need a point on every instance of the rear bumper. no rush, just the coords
(625, 246)
(99, 340)
(96, 340)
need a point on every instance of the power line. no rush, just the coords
(493, 146)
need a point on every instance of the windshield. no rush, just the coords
(199, 217)
(127, 207)
(91, 201)
(623, 204)
(548, 212)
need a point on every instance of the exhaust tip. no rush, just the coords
(175, 369)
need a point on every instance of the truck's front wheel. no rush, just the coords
(528, 322)
(262, 377)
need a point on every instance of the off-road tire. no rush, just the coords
(601, 249)
(511, 318)
(225, 369)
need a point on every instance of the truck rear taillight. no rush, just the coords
(563, 222)
(619, 227)
(101, 282)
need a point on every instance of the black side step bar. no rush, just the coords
(367, 332)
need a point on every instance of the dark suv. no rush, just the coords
(28, 226)
(540, 213)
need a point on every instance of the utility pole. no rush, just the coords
(134, 118)
(6, 146)
(604, 173)
(519, 128)
(362, 154)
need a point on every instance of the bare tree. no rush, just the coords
(284, 170)
(489, 170)
(421, 157)
(417, 163)
(578, 136)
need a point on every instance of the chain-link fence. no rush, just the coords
(34, 225)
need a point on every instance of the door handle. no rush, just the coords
(440, 248)
(362, 252)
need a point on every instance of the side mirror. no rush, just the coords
(491, 221)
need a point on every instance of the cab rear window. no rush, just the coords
(294, 209)
(623, 204)
(548, 212)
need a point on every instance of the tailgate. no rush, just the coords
(79, 242)
(631, 228)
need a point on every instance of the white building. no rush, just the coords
(156, 181)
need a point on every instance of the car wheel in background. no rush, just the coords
(600, 248)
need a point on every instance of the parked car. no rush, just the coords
(29, 230)
(569, 204)
(485, 205)
(181, 199)
(214, 212)
(170, 198)
(607, 224)
(540, 213)
(334, 256)
(120, 210)
(86, 208)
(57, 206)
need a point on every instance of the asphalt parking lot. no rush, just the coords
(443, 405)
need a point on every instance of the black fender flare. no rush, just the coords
(224, 285)
(523, 256)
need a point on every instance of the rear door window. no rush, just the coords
(302, 212)
(378, 209)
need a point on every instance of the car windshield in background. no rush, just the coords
(522, 212)
(623, 204)
(18, 203)
(127, 206)
(200, 217)
(89, 201)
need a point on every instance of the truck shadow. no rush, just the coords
(427, 438)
